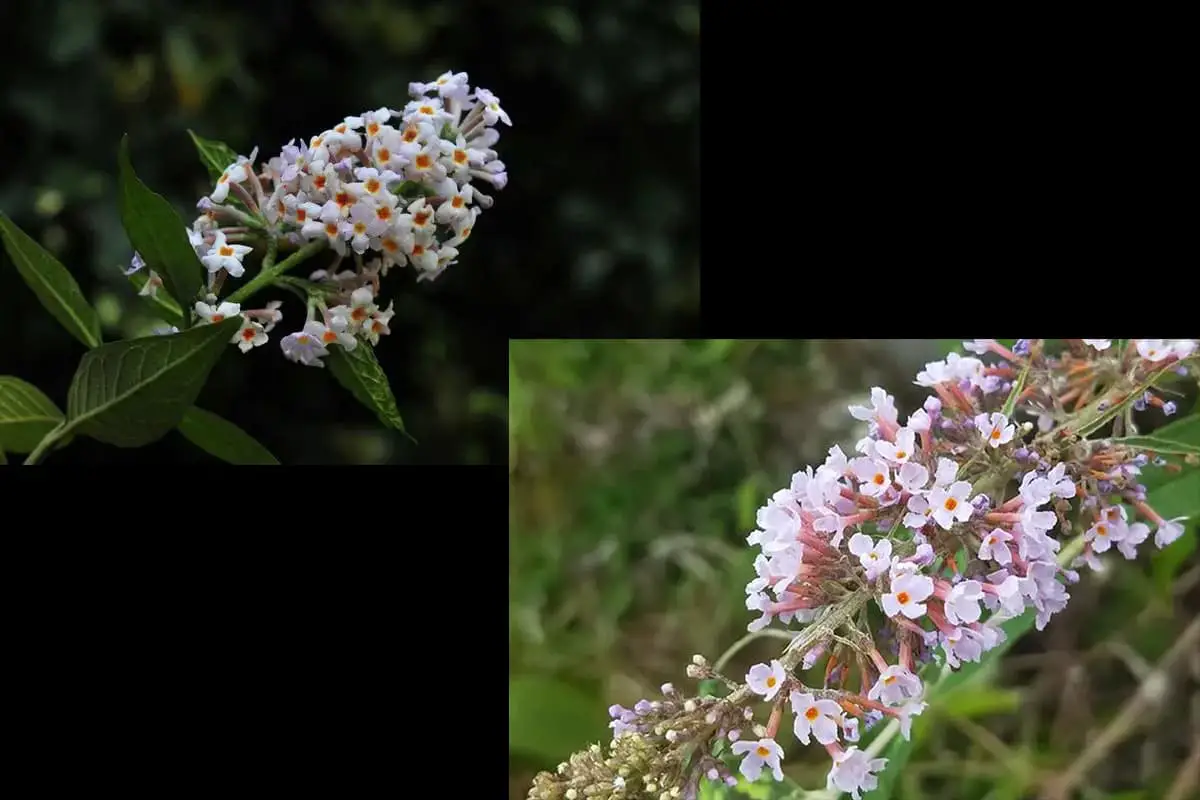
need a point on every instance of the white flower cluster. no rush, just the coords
(385, 188)
(933, 548)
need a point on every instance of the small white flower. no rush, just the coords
(1102, 535)
(219, 313)
(250, 335)
(978, 346)
(1182, 348)
(912, 477)
(919, 512)
(883, 407)
(946, 471)
(907, 597)
(764, 752)
(854, 772)
(919, 420)
(995, 548)
(819, 718)
(1098, 344)
(874, 475)
(152, 285)
(875, 557)
(491, 108)
(896, 686)
(1135, 534)
(951, 504)
(304, 347)
(901, 450)
(234, 173)
(962, 602)
(225, 256)
(766, 680)
(995, 429)
(1153, 349)
(1168, 531)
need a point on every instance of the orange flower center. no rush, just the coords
(226, 251)
(903, 598)
(763, 752)
(328, 337)
(951, 504)
(812, 713)
(218, 318)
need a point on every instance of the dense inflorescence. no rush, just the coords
(914, 550)
(388, 188)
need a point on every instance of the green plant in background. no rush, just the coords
(875, 529)
(364, 194)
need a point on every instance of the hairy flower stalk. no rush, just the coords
(912, 551)
(388, 188)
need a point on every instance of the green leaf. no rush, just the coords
(161, 305)
(221, 438)
(3, 458)
(1182, 432)
(54, 286)
(131, 393)
(360, 373)
(1159, 445)
(216, 156)
(549, 719)
(157, 233)
(26, 415)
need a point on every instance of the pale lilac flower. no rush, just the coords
(218, 313)
(883, 407)
(1153, 349)
(951, 504)
(1135, 534)
(137, 263)
(875, 557)
(946, 472)
(875, 476)
(919, 420)
(1099, 344)
(818, 717)
(305, 346)
(1060, 484)
(854, 772)
(978, 346)
(1168, 531)
(995, 429)
(896, 685)
(962, 602)
(907, 596)
(766, 680)
(764, 752)
(912, 477)
(919, 512)
(1102, 535)
(906, 712)
(994, 547)
(901, 450)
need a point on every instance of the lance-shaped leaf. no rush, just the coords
(161, 305)
(359, 371)
(131, 393)
(26, 415)
(216, 156)
(220, 437)
(157, 233)
(52, 283)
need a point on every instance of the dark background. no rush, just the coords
(597, 232)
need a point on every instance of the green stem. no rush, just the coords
(47, 443)
(270, 273)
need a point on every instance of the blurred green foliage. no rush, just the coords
(597, 232)
(635, 471)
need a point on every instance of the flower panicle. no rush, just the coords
(950, 522)
(386, 188)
